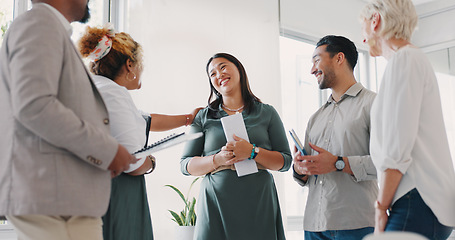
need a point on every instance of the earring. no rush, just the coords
(128, 79)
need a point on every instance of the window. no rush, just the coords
(301, 98)
(96, 19)
(99, 11)
(7, 9)
(6, 16)
(442, 61)
(447, 88)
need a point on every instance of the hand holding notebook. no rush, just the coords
(234, 124)
(297, 142)
(166, 142)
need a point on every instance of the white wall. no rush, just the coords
(178, 37)
(436, 27)
(323, 17)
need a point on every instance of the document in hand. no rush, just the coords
(166, 142)
(234, 124)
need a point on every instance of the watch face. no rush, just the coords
(256, 150)
(339, 164)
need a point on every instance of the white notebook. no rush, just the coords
(166, 142)
(234, 124)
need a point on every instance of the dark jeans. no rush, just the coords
(356, 234)
(411, 214)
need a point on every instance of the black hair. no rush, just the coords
(248, 97)
(336, 44)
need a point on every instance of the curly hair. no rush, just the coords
(123, 48)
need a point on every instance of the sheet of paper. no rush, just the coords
(234, 124)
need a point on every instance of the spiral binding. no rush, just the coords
(161, 141)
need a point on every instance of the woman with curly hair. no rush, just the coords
(116, 62)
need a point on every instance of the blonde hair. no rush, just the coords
(398, 17)
(123, 48)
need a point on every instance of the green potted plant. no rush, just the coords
(186, 219)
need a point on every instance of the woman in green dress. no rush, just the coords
(116, 61)
(232, 207)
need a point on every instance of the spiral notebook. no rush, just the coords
(166, 142)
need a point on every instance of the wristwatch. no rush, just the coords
(256, 151)
(339, 164)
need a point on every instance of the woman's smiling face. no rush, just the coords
(224, 75)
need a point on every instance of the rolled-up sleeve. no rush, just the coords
(362, 168)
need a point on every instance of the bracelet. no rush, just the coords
(187, 120)
(252, 152)
(153, 160)
(213, 161)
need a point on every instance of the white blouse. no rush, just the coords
(408, 133)
(126, 122)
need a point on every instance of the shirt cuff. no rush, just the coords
(362, 168)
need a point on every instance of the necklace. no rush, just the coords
(233, 110)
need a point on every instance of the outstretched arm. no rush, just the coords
(162, 122)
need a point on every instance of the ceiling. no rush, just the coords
(418, 2)
(430, 7)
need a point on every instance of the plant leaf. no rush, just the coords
(190, 214)
(194, 182)
(187, 217)
(177, 218)
(191, 186)
(179, 193)
(193, 220)
(183, 216)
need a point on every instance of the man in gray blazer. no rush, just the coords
(57, 156)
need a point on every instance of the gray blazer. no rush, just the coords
(55, 145)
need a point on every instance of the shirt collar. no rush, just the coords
(353, 91)
(59, 16)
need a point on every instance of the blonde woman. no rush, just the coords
(116, 62)
(408, 144)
